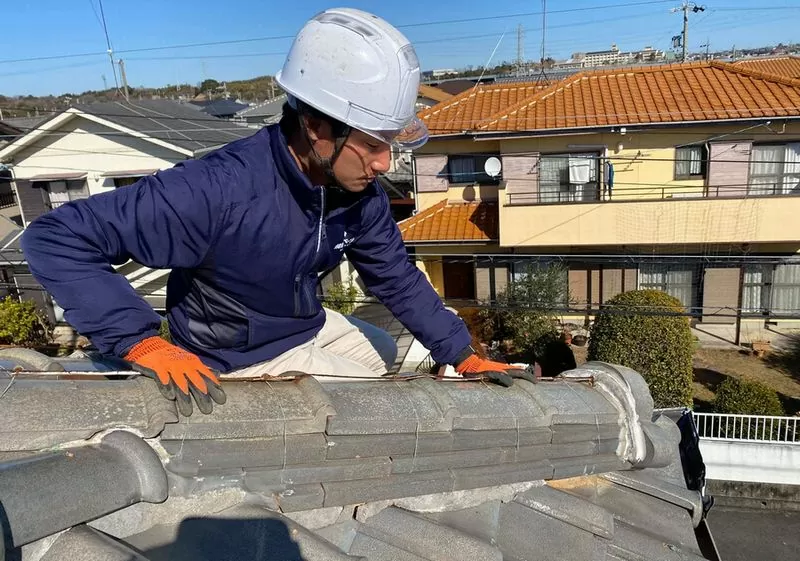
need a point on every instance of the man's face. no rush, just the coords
(361, 158)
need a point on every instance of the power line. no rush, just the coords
(108, 45)
(282, 37)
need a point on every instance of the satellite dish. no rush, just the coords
(492, 166)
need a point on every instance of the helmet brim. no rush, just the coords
(412, 136)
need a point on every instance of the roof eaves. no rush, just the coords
(488, 135)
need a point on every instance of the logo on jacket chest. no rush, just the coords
(346, 241)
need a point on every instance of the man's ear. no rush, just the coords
(318, 129)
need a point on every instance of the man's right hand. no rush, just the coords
(180, 375)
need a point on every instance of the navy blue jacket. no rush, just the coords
(245, 234)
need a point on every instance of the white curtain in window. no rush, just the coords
(688, 161)
(551, 170)
(765, 170)
(753, 284)
(652, 277)
(786, 290)
(791, 169)
(462, 170)
(679, 285)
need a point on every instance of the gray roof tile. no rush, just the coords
(427, 539)
(369, 445)
(490, 476)
(645, 513)
(327, 470)
(480, 521)
(190, 457)
(377, 550)
(524, 534)
(484, 406)
(340, 493)
(34, 414)
(445, 460)
(581, 432)
(630, 544)
(384, 408)
(587, 465)
(88, 544)
(552, 451)
(257, 409)
(570, 509)
(468, 460)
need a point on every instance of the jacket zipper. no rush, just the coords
(301, 290)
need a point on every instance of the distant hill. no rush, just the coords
(253, 90)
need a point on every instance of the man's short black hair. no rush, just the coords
(290, 120)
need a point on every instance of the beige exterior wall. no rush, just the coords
(457, 194)
(432, 268)
(83, 145)
(700, 221)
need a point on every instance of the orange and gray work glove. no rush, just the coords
(180, 375)
(470, 365)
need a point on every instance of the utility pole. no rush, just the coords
(124, 78)
(687, 7)
(520, 49)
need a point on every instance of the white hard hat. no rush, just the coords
(356, 68)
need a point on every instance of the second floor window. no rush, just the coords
(775, 170)
(690, 162)
(470, 169)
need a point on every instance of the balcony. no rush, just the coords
(664, 214)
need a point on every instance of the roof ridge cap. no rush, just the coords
(758, 74)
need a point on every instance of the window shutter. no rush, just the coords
(431, 173)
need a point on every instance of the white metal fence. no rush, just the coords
(752, 428)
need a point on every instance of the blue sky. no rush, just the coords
(46, 28)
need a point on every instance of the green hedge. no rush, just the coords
(747, 398)
(629, 331)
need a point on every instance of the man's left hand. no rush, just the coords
(496, 372)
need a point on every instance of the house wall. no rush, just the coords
(83, 145)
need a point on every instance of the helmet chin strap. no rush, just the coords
(341, 134)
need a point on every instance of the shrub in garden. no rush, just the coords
(747, 398)
(22, 324)
(641, 330)
(342, 297)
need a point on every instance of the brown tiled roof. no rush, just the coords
(673, 93)
(453, 222)
(433, 93)
(786, 66)
(468, 109)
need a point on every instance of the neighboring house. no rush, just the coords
(787, 66)
(429, 96)
(8, 133)
(91, 149)
(220, 108)
(265, 113)
(706, 173)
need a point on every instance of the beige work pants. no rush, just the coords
(344, 347)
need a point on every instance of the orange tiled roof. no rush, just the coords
(467, 110)
(630, 96)
(453, 222)
(786, 66)
(433, 93)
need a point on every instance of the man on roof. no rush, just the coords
(247, 228)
